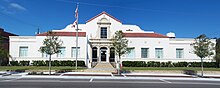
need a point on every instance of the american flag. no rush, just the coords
(76, 16)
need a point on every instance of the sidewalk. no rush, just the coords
(123, 75)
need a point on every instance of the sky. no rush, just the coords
(186, 18)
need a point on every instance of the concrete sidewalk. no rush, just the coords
(123, 75)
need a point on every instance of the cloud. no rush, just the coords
(17, 6)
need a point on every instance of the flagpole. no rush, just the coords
(77, 35)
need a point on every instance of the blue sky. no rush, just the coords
(186, 18)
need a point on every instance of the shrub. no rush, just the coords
(39, 63)
(24, 63)
(153, 64)
(180, 64)
(14, 63)
(126, 63)
(79, 63)
(55, 63)
(67, 63)
(134, 63)
(209, 64)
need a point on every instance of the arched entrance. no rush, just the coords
(103, 53)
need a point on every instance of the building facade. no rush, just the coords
(4, 45)
(95, 45)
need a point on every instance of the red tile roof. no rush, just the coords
(101, 14)
(151, 35)
(80, 34)
(6, 34)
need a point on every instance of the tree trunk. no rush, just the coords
(202, 66)
(119, 67)
(50, 65)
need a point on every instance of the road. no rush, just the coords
(104, 83)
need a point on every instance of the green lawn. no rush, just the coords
(169, 68)
(36, 68)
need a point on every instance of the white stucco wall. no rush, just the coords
(92, 29)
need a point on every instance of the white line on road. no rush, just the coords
(91, 80)
(165, 81)
(112, 75)
(124, 75)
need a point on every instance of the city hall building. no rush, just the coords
(95, 45)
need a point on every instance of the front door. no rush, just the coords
(103, 54)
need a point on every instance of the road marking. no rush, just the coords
(124, 75)
(91, 80)
(165, 81)
(61, 74)
(112, 75)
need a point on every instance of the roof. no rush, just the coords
(150, 35)
(80, 34)
(6, 34)
(105, 14)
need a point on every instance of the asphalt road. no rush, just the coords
(105, 83)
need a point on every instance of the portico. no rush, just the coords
(102, 51)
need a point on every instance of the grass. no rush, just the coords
(37, 68)
(170, 68)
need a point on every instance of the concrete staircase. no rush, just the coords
(102, 68)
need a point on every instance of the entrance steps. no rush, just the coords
(102, 68)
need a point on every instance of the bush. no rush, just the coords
(153, 64)
(39, 63)
(79, 63)
(14, 63)
(209, 64)
(134, 63)
(55, 63)
(24, 63)
(67, 63)
(180, 64)
(58, 63)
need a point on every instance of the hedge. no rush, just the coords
(134, 63)
(24, 63)
(14, 63)
(167, 64)
(46, 63)
(58, 63)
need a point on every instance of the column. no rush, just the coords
(108, 54)
(98, 54)
(90, 57)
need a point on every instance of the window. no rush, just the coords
(159, 52)
(62, 52)
(23, 51)
(94, 52)
(112, 52)
(74, 51)
(103, 32)
(44, 55)
(144, 52)
(179, 53)
(131, 54)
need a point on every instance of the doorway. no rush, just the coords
(103, 51)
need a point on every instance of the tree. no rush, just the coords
(120, 44)
(217, 52)
(4, 55)
(203, 48)
(50, 46)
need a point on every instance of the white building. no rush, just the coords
(95, 46)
